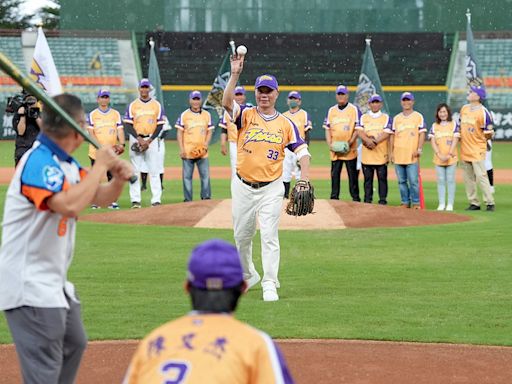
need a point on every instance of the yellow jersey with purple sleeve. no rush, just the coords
(230, 127)
(373, 125)
(105, 125)
(261, 143)
(443, 135)
(406, 131)
(195, 127)
(474, 123)
(207, 348)
(301, 120)
(342, 121)
(145, 115)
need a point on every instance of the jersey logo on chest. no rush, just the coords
(258, 135)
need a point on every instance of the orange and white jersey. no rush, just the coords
(443, 134)
(406, 131)
(229, 126)
(207, 348)
(195, 127)
(374, 124)
(342, 122)
(145, 115)
(474, 122)
(261, 143)
(301, 120)
(105, 125)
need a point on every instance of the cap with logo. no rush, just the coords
(407, 96)
(480, 91)
(375, 98)
(341, 90)
(239, 90)
(266, 81)
(145, 83)
(294, 95)
(103, 92)
(195, 95)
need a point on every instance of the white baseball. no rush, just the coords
(241, 50)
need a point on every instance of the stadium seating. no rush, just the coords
(11, 47)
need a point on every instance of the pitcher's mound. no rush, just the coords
(329, 214)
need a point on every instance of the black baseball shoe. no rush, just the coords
(473, 207)
(490, 208)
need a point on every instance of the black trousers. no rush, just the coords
(382, 177)
(353, 182)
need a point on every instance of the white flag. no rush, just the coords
(43, 70)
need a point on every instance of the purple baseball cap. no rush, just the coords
(294, 95)
(375, 98)
(195, 94)
(215, 265)
(480, 91)
(103, 92)
(407, 95)
(145, 83)
(341, 89)
(239, 90)
(266, 81)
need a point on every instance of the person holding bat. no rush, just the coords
(47, 192)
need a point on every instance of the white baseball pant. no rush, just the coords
(290, 167)
(232, 158)
(146, 161)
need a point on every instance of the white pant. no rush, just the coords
(147, 161)
(488, 160)
(161, 157)
(265, 204)
(232, 157)
(290, 167)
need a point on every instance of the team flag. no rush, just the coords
(214, 98)
(369, 81)
(42, 69)
(154, 75)
(473, 73)
(96, 63)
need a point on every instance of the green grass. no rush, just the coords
(445, 283)
(502, 155)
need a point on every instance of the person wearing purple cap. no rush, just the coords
(257, 191)
(406, 142)
(143, 121)
(209, 345)
(476, 127)
(195, 131)
(301, 119)
(340, 125)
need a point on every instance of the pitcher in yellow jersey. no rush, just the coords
(475, 129)
(257, 191)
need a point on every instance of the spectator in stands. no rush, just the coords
(444, 136)
(406, 140)
(195, 131)
(26, 122)
(476, 127)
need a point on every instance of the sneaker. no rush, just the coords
(270, 293)
(449, 207)
(136, 205)
(440, 207)
(252, 281)
(94, 206)
(473, 207)
(113, 206)
(156, 204)
(490, 208)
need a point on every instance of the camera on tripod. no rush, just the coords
(29, 102)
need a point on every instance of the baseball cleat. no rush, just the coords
(135, 205)
(156, 204)
(113, 206)
(473, 207)
(270, 293)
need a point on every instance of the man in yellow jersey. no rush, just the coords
(301, 120)
(195, 130)
(209, 345)
(257, 191)
(406, 141)
(475, 129)
(340, 125)
(144, 120)
(105, 125)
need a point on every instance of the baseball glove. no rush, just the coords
(341, 147)
(137, 148)
(199, 151)
(302, 199)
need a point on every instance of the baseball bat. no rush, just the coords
(27, 83)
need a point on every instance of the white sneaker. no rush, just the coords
(449, 207)
(270, 293)
(440, 207)
(252, 281)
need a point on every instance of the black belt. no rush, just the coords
(255, 185)
(143, 136)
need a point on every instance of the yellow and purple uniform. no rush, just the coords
(474, 123)
(207, 348)
(145, 116)
(105, 125)
(195, 127)
(301, 120)
(229, 126)
(261, 143)
(342, 121)
(406, 130)
(443, 134)
(374, 124)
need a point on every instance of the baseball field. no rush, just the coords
(447, 283)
